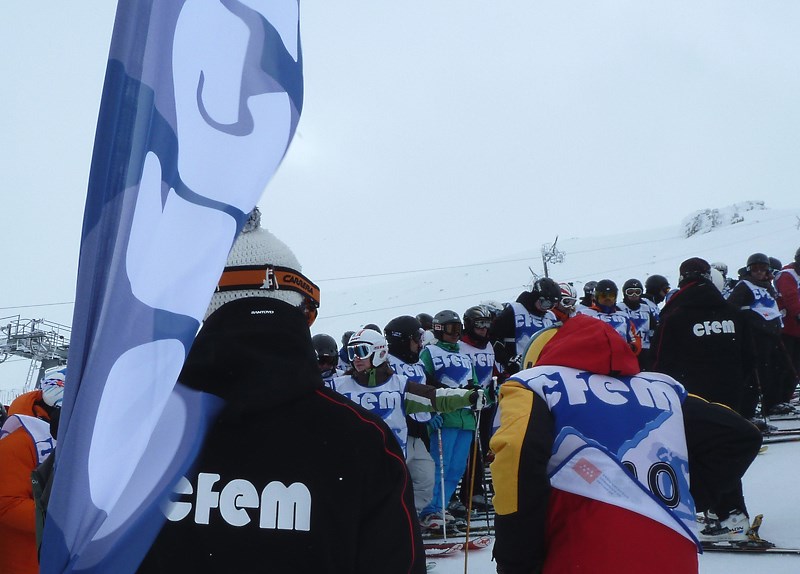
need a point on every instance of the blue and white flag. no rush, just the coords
(200, 102)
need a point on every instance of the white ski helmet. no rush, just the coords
(717, 278)
(569, 296)
(366, 343)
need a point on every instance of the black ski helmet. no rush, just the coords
(399, 332)
(493, 308)
(426, 321)
(325, 346)
(775, 265)
(631, 284)
(606, 286)
(757, 258)
(346, 337)
(546, 288)
(473, 314)
(372, 327)
(442, 319)
(655, 284)
(589, 287)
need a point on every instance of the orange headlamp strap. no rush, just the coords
(270, 278)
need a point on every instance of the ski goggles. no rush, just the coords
(449, 328)
(327, 360)
(359, 351)
(482, 323)
(310, 310)
(545, 303)
(272, 278)
(633, 291)
(416, 337)
(569, 302)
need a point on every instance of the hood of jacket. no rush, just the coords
(256, 353)
(592, 345)
(30, 404)
(695, 294)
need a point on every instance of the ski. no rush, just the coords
(480, 528)
(786, 417)
(753, 544)
(779, 439)
(747, 547)
(478, 543)
(783, 432)
(438, 549)
(449, 548)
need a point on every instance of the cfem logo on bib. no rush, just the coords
(279, 507)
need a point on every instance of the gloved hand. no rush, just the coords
(478, 399)
(491, 392)
(435, 423)
(513, 367)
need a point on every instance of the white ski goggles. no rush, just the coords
(359, 351)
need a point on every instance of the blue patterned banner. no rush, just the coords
(200, 102)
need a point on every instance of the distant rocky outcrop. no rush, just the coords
(705, 220)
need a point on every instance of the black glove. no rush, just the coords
(478, 400)
(512, 368)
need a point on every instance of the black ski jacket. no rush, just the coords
(503, 331)
(742, 297)
(703, 342)
(292, 477)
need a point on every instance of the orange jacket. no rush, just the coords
(17, 510)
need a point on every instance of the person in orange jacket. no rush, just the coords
(27, 438)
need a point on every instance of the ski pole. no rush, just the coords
(757, 379)
(789, 361)
(483, 460)
(471, 487)
(483, 483)
(441, 480)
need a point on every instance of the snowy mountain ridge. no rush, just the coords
(349, 303)
(706, 220)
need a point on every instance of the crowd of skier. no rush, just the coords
(752, 360)
(592, 411)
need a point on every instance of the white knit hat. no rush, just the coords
(253, 249)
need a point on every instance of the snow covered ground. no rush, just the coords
(770, 489)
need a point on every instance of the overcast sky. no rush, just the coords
(437, 133)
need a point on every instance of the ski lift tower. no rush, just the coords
(550, 254)
(44, 343)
